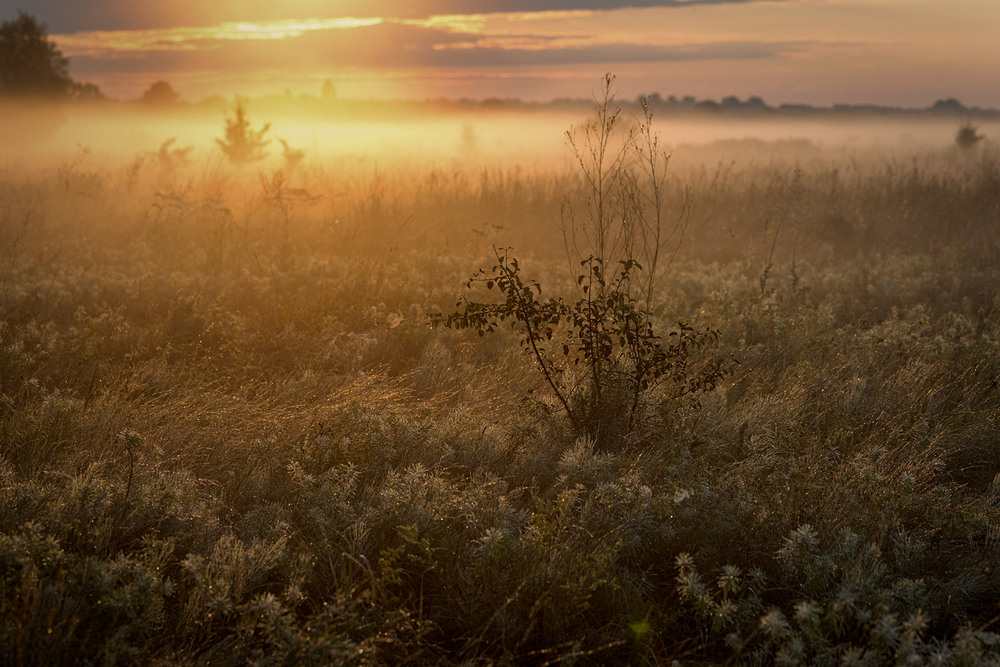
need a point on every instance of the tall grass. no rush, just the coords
(227, 433)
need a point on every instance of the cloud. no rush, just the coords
(609, 54)
(555, 40)
(404, 7)
(386, 45)
(67, 16)
(135, 43)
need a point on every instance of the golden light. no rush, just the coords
(492, 23)
(93, 43)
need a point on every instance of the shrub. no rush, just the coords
(606, 333)
(968, 136)
(241, 142)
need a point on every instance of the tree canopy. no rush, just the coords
(160, 93)
(30, 64)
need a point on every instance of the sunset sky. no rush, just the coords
(894, 52)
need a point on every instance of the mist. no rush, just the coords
(424, 135)
(285, 408)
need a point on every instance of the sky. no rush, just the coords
(891, 52)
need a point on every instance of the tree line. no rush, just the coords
(32, 66)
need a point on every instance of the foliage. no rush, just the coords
(853, 613)
(219, 447)
(30, 64)
(968, 136)
(242, 143)
(162, 93)
(605, 331)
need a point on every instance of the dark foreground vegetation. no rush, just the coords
(229, 434)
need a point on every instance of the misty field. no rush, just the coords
(231, 434)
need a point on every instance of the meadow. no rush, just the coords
(230, 434)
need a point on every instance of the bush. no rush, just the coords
(968, 136)
(241, 142)
(606, 333)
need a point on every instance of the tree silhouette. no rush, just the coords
(86, 92)
(160, 93)
(968, 136)
(30, 64)
(242, 143)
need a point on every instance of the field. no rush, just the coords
(231, 434)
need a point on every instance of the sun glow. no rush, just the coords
(103, 43)
(473, 23)
(285, 29)
(817, 52)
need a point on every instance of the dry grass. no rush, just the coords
(229, 434)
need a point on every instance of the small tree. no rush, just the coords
(160, 94)
(242, 143)
(605, 333)
(30, 64)
(968, 136)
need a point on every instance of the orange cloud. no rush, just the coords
(118, 43)
(789, 50)
(491, 22)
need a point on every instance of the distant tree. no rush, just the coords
(86, 92)
(214, 103)
(950, 105)
(968, 136)
(30, 64)
(241, 142)
(329, 91)
(652, 100)
(160, 94)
